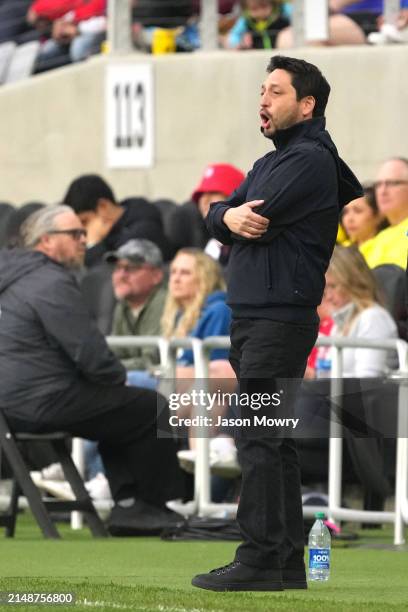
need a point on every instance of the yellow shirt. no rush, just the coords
(389, 247)
(342, 236)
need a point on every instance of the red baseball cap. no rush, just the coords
(222, 178)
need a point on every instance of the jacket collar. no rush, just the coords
(304, 129)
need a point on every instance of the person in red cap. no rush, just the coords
(218, 182)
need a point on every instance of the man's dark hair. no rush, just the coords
(85, 191)
(306, 79)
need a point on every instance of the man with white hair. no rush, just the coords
(58, 373)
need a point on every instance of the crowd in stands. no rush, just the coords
(72, 30)
(143, 274)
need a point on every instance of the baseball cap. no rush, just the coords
(137, 250)
(222, 178)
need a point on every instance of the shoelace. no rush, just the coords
(225, 568)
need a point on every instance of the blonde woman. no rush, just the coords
(355, 304)
(196, 307)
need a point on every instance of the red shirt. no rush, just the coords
(325, 328)
(81, 9)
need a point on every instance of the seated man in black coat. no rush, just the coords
(59, 374)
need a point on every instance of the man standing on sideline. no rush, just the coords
(282, 225)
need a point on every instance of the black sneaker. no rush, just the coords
(239, 577)
(294, 572)
(141, 519)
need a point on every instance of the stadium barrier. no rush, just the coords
(202, 504)
(335, 511)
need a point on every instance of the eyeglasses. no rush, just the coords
(389, 183)
(76, 233)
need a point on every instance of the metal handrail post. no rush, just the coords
(401, 472)
(119, 26)
(78, 457)
(209, 25)
(202, 463)
(336, 440)
(391, 10)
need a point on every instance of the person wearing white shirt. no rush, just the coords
(356, 308)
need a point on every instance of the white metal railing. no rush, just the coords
(201, 351)
(400, 515)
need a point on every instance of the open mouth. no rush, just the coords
(265, 120)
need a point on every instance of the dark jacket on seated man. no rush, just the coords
(47, 341)
(58, 373)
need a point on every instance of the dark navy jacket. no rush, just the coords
(215, 320)
(304, 185)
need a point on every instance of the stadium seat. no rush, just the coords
(6, 210)
(22, 62)
(187, 215)
(23, 484)
(391, 280)
(6, 52)
(97, 291)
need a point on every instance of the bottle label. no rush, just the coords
(319, 558)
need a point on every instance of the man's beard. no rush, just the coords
(286, 123)
(73, 264)
(270, 136)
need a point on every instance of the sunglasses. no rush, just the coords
(76, 234)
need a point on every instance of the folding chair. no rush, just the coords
(23, 484)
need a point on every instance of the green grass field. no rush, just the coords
(149, 575)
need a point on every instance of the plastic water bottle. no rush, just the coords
(323, 367)
(319, 550)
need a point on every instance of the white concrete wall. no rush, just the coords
(52, 126)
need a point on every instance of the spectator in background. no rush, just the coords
(13, 24)
(58, 373)
(391, 190)
(361, 218)
(76, 27)
(258, 26)
(217, 184)
(325, 327)
(169, 15)
(196, 307)
(195, 304)
(367, 14)
(344, 29)
(110, 224)
(138, 286)
(396, 32)
(137, 280)
(357, 311)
